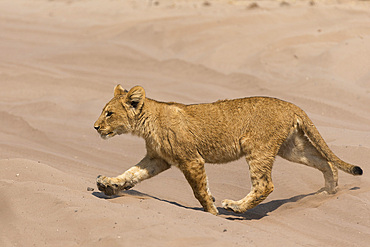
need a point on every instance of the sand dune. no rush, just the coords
(61, 59)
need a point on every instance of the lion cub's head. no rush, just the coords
(118, 116)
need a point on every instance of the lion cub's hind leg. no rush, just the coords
(260, 171)
(297, 148)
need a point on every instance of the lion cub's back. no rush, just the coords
(242, 111)
(218, 127)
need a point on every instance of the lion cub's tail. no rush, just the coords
(318, 142)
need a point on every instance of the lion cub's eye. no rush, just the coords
(108, 113)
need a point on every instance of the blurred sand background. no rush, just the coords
(59, 63)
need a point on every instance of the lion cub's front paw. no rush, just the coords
(213, 210)
(105, 186)
(109, 186)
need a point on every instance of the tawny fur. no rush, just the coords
(188, 136)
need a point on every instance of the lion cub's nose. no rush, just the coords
(97, 127)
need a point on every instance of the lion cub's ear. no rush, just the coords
(118, 90)
(135, 97)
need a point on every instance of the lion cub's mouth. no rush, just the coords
(109, 135)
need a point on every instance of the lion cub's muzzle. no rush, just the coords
(104, 133)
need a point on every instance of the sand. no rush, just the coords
(59, 63)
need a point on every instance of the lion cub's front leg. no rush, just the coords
(146, 168)
(195, 174)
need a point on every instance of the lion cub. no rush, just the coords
(188, 136)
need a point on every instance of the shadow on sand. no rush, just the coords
(140, 195)
(262, 209)
(256, 213)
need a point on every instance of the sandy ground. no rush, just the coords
(59, 63)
